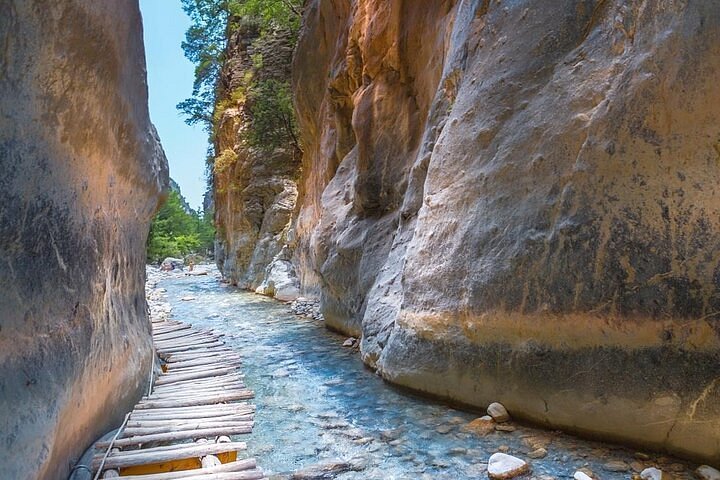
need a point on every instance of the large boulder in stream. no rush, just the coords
(520, 202)
(82, 173)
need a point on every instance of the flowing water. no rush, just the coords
(318, 404)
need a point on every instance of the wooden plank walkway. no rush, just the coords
(183, 428)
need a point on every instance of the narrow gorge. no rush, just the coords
(511, 201)
(476, 201)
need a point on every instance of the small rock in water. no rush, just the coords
(580, 475)
(504, 428)
(616, 466)
(502, 466)
(188, 298)
(481, 426)
(538, 453)
(498, 412)
(350, 342)
(706, 472)
(327, 469)
(652, 473)
(503, 448)
(444, 429)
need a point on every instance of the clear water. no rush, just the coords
(316, 402)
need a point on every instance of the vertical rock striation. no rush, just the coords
(519, 201)
(255, 189)
(82, 172)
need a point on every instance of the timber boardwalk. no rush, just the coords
(182, 429)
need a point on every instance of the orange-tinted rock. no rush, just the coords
(518, 201)
(82, 172)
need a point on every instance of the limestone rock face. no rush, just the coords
(255, 191)
(519, 201)
(82, 172)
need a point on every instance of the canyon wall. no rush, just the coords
(255, 190)
(82, 173)
(519, 202)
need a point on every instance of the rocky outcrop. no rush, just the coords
(82, 171)
(518, 201)
(255, 189)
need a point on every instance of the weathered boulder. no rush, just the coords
(518, 201)
(170, 264)
(82, 172)
(502, 466)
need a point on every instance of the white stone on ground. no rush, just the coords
(349, 342)
(651, 473)
(502, 466)
(582, 476)
(498, 412)
(706, 472)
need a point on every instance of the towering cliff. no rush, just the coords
(256, 166)
(82, 172)
(519, 201)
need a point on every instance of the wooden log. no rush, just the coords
(196, 338)
(208, 347)
(172, 369)
(238, 466)
(137, 431)
(234, 357)
(194, 416)
(197, 368)
(194, 409)
(144, 457)
(173, 436)
(208, 422)
(166, 329)
(249, 475)
(182, 389)
(172, 378)
(206, 390)
(190, 402)
(206, 393)
(175, 345)
(175, 333)
(179, 357)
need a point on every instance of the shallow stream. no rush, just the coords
(318, 404)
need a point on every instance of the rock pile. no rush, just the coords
(306, 308)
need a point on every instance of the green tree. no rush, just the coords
(211, 23)
(176, 232)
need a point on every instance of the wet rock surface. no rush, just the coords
(82, 174)
(517, 202)
(318, 405)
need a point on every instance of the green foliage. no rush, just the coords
(225, 160)
(271, 14)
(176, 232)
(204, 45)
(273, 117)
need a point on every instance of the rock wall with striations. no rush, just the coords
(519, 201)
(82, 173)
(255, 189)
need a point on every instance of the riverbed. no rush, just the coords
(319, 407)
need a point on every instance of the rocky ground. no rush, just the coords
(305, 307)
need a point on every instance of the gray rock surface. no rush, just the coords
(82, 172)
(517, 201)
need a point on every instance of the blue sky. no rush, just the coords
(170, 79)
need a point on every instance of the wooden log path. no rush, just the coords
(183, 428)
